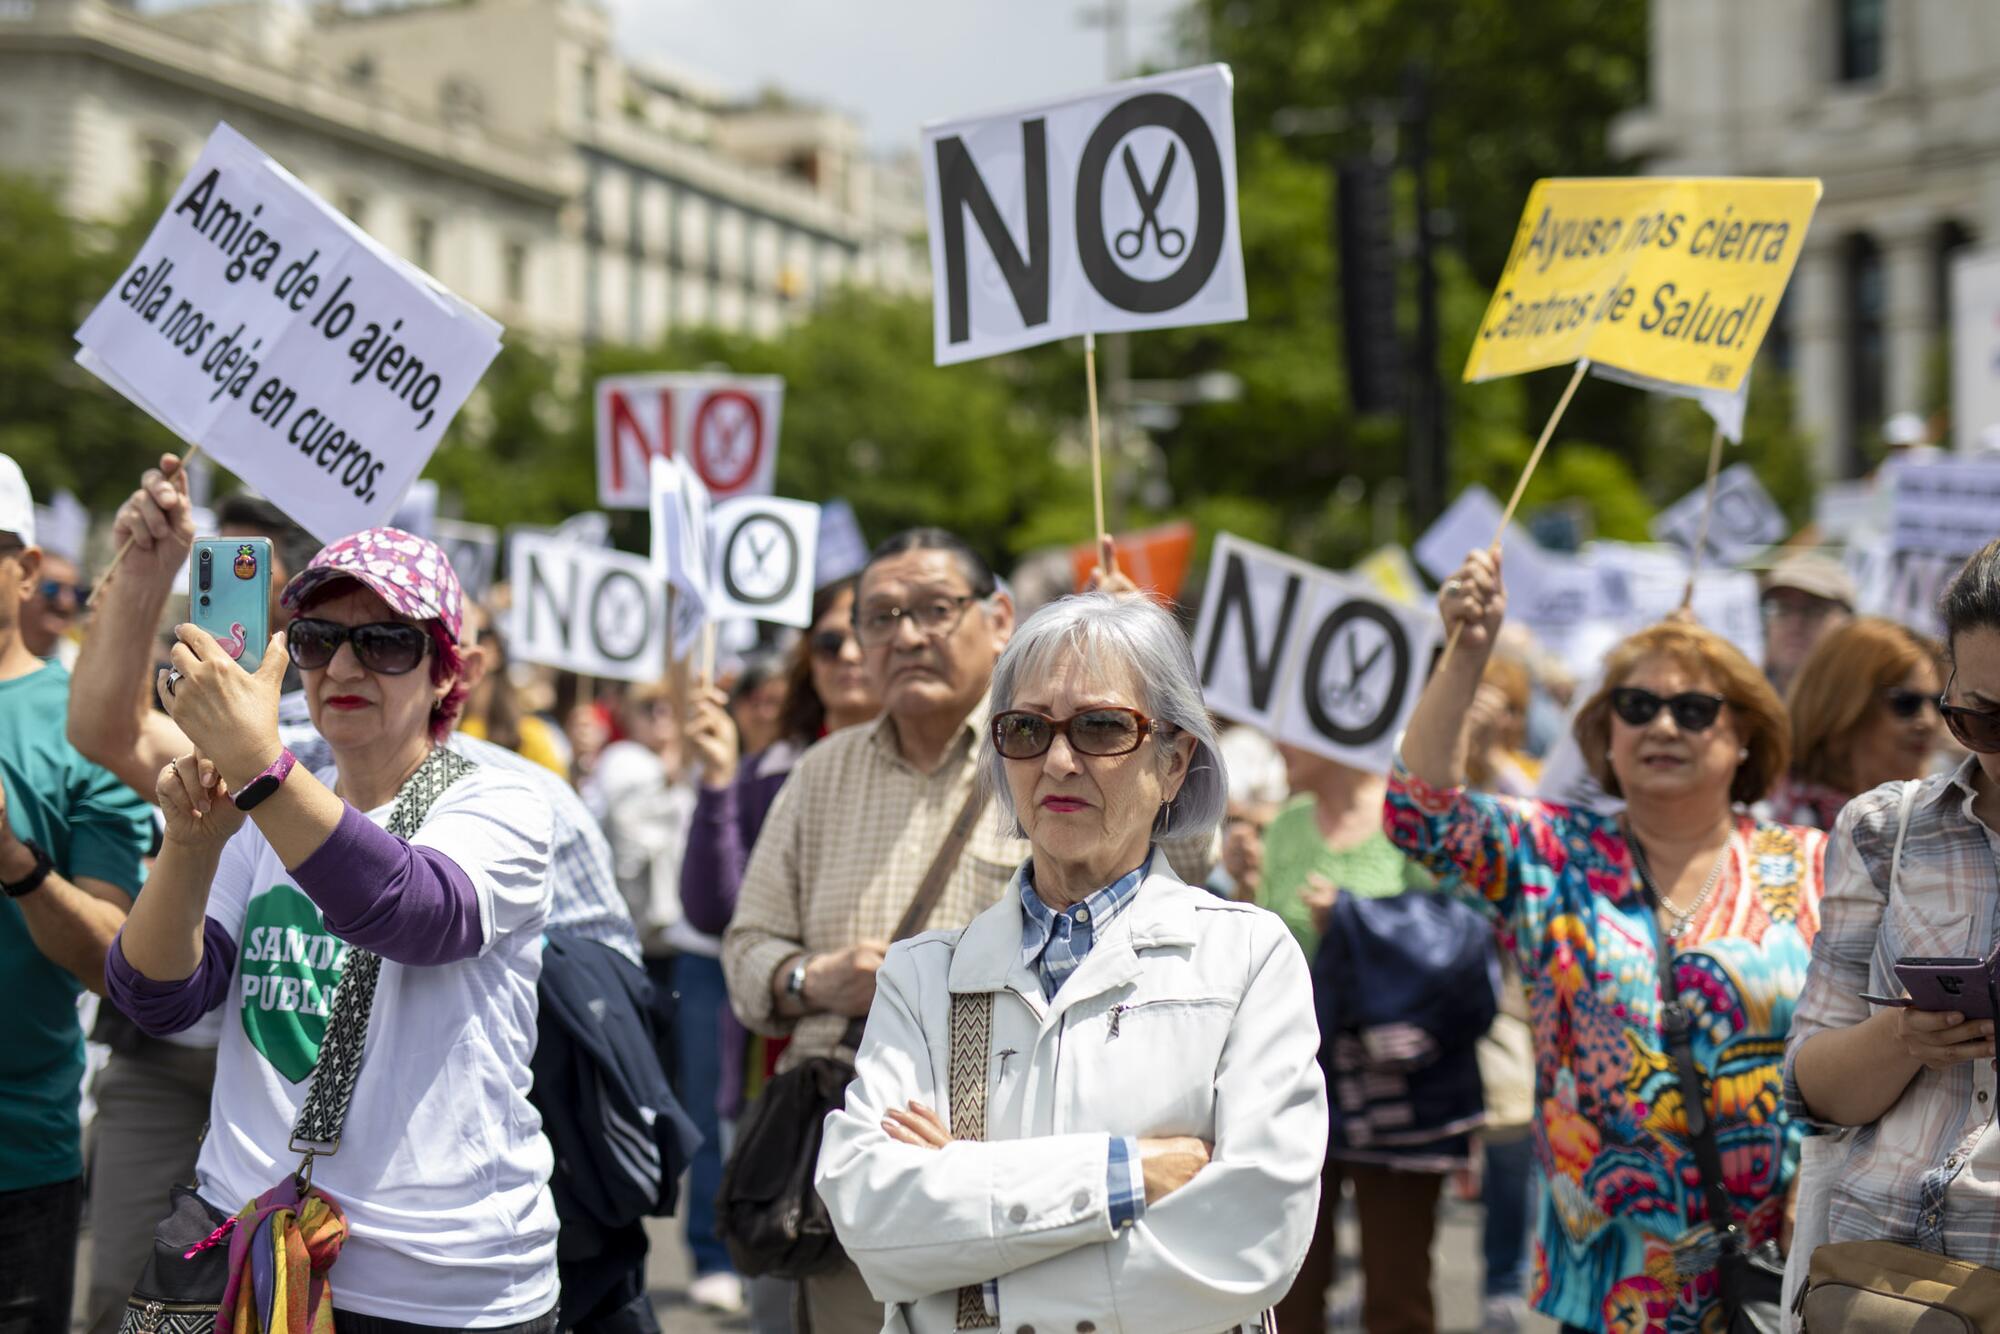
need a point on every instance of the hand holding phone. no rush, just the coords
(229, 594)
(1949, 985)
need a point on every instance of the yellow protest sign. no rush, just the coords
(1671, 279)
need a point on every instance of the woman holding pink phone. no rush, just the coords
(1911, 873)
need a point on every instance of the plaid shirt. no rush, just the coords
(1928, 1172)
(1055, 944)
(583, 894)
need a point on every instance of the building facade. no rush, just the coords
(1895, 105)
(502, 145)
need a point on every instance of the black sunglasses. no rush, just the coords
(390, 648)
(829, 644)
(1976, 729)
(1906, 703)
(1020, 734)
(1693, 710)
(51, 589)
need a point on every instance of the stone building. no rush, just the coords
(503, 145)
(1895, 105)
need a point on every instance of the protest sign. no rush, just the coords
(1467, 525)
(1156, 559)
(762, 553)
(680, 547)
(416, 512)
(1642, 586)
(843, 551)
(1390, 572)
(263, 327)
(1946, 507)
(1742, 522)
(585, 610)
(1110, 210)
(1975, 347)
(62, 526)
(474, 552)
(725, 426)
(586, 528)
(1565, 779)
(1674, 280)
(1312, 658)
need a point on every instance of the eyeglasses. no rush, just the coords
(934, 618)
(829, 644)
(1693, 711)
(1906, 703)
(52, 589)
(1022, 734)
(1976, 729)
(390, 648)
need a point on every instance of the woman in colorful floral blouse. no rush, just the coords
(1686, 730)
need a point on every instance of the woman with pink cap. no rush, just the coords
(280, 895)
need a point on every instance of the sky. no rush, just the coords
(893, 64)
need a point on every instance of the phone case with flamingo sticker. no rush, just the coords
(229, 594)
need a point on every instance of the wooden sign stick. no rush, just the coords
(1096, 452)
(1707, 509)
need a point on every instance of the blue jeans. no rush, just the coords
(698, 1054)
(1511, 1182)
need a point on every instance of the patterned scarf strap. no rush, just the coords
(280, 1250)
(971, 1045)
(317, 1131)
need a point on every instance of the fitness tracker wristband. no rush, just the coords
(264, 784)
(32, 881)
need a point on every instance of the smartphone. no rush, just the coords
(229, 594)
(1940, 985)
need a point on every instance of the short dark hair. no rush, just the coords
(296, 547)
(1972, 602)
(978, 574)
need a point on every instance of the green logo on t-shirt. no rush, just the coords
(287, 973)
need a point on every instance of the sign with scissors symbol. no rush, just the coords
(1170, 241)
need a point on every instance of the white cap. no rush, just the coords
(1903, 429)
(17, 507)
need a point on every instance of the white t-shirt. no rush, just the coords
(442, 1170)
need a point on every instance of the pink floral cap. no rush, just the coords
(408, 572)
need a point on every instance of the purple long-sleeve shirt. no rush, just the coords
(725, 827)
(409, 904)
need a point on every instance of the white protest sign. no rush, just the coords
(1312, 658)
(762, 559)
(586, 528)
(680, 543)
(726, 426)
(417, 511)
(262, 325)
(1742, 523)
(1467, 525)
(584, 610)
(1945, 508)
(1110, 210)
(1725, 407)
(843, 550)
(474, 552)
(1641, 586)
(62, 526)
(1975, 347)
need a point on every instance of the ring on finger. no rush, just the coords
(1451, 586)
(174, 678)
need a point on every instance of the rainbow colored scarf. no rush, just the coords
(279, 1253)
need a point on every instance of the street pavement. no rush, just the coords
(1455, 1260)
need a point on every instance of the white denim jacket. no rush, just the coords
(1192, 1015)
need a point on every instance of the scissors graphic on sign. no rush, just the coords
(1340, 697)
(1170, 241)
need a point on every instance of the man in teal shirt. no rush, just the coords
(71, 840)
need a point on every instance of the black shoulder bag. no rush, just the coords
(180, 1290)
(1752, 1277)
(767, 1212)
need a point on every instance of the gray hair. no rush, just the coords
(1119, 634)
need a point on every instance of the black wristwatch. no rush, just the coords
(32, 881)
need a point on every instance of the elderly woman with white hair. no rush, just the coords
(1097, 1107)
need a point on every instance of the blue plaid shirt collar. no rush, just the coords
(1055, 944)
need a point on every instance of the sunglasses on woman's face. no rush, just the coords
(830, 644)
(1905, 703)
(389, 648)
(1021, 734)
(1976, 729)
(1693, 711)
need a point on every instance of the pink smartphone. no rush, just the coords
(1943, 986)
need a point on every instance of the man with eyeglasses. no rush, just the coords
(1805, 595)
(860, 821)
(71, 840)
(50, 611)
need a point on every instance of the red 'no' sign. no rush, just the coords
(727, 445)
